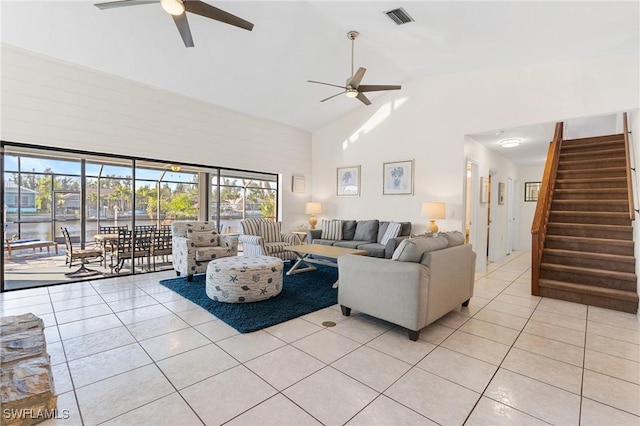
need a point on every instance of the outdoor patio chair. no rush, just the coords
(161, 244)
(83, 255)
(132, 245)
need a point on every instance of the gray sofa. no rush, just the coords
(426, 278)
(364, 235)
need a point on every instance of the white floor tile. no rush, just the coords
(89, 344)
(477, 347)
(330, 396)
(438, 399)
(222, 397)
(245, 347)
(360, 363)
(551, 348)
(611, 391)
(170, 410)
(195, 365)
(547, 370)
(595, 414)
(458, 368)
(385, 411)
(102, 365)
(326, 345)
(397, 344)
(275, 411)
(545, 402)
(293, 330)
(174, 343)
(493, 413)
(284, 367)
(216, 330)
(117, 395)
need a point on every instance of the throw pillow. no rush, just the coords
(270, 231)
(203, 238)
(412, 249)
(392, 231)
(455, 238)
(367, 230)
(331, 229)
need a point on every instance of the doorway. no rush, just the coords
(472, 198)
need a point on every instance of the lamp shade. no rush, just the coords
(313, 208)
(433, 210)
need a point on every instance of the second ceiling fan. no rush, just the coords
(178, 8)
(353, 88)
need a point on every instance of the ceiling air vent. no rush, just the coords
(399, 16)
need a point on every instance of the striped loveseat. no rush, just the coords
(263, 237)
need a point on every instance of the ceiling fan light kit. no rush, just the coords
(172, 7)
(178, 8)
(353, 88)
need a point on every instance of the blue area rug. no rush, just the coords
(301, 294)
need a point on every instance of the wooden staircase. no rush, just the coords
(587, 253)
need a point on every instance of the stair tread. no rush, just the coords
(594, 140)
(627, 276)
(594, 226)
(591, 240)
(573, 212)
(591, 255)
(605, 201)
(592, 190)
(589, 289)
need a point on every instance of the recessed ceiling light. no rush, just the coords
(510, 143)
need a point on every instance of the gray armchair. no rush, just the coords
(425, 280)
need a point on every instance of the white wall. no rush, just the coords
(501, 169)
(427, 121)
(53, 103)
(527, 209)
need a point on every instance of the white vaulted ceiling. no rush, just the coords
(264, 72)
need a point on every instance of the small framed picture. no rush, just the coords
(348, 181)
(501, 189)
(531, 191)
(397, 178)
(484, 190)
(298, 184)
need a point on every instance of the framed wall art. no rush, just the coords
(531, 191)
(397, 178)
(501, 189)
(348, 181)
(298, 184)
(484, 190)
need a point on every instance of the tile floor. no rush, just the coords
(127, 351)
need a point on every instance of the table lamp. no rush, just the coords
(313, 209)
(433, 211)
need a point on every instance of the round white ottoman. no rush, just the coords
(244, 279)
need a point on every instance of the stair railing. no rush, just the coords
(545, 196)
(627, 154)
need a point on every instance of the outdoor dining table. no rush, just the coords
(106, 240)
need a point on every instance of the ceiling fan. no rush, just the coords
(178, 8)
(353, 88)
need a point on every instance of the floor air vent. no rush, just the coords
(399, 16)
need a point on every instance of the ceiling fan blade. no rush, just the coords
(333, 96)
(183, 29)
(203, 9)
(362, 98)
(121, 3)
(357, 78)
(376, 87)
(326, 84)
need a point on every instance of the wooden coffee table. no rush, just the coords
(304, 263)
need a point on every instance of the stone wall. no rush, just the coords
(28, 395)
